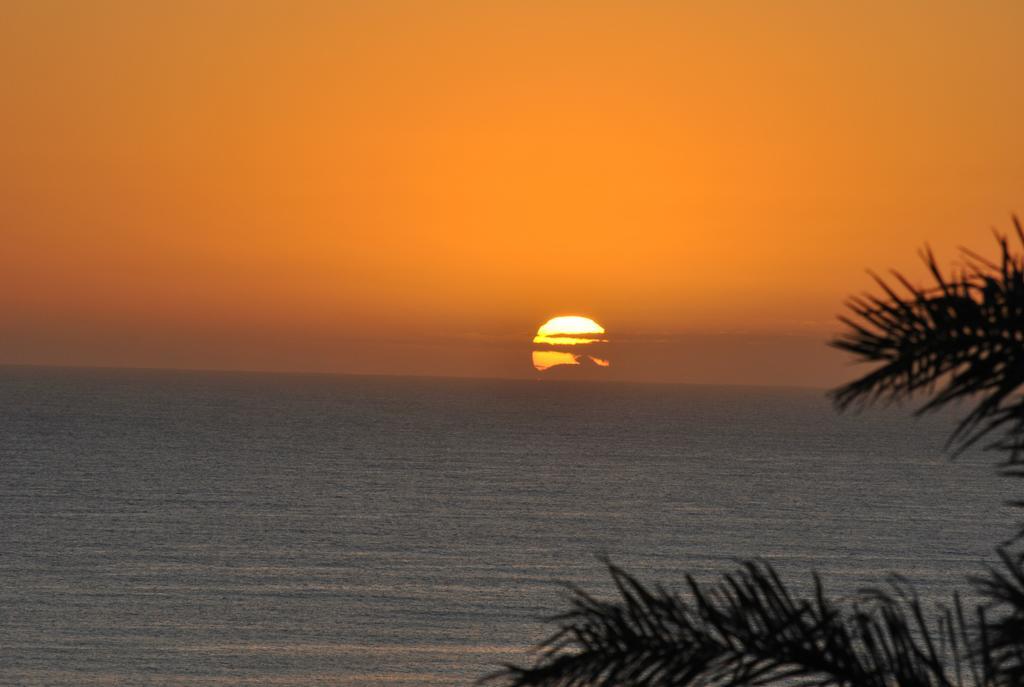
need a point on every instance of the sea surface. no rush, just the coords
(187, 528)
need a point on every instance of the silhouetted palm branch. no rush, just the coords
(963, 338)
(750, 630)
(1001, 624)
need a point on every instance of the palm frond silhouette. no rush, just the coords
(961, 339)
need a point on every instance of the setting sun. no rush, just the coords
(543, 360)
(568, 331)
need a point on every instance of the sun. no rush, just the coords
(569, 332)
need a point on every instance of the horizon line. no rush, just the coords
(334, 373)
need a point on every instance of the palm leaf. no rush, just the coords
(962, 338)
(749, 629)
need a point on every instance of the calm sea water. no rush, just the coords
(170, 528)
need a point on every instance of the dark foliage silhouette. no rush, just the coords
(961, 339)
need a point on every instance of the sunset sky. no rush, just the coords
(415, 187)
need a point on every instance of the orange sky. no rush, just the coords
(414, 187)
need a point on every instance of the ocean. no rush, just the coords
(196, 528)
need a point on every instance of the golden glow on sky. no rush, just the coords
(400, 186)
